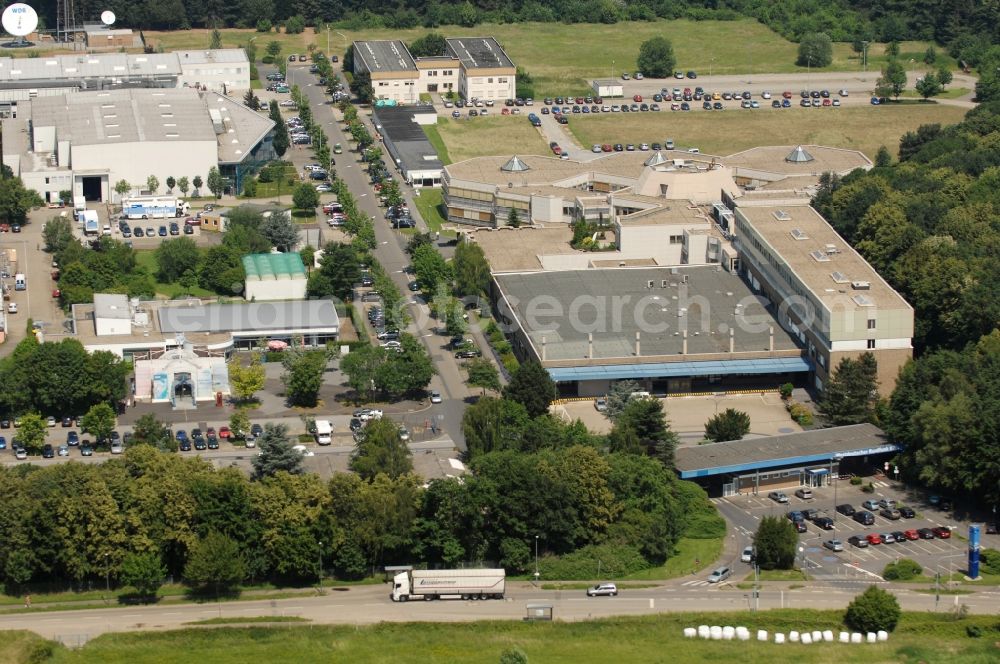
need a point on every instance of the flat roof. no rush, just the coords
(285, 315)
(510, 249)
(615, 303)
(398, 126)
(771, 158)
(479, 53)
(818, 446)
(242, 127)
(111, 65)
(125, 116)
(800, 236)
(384, 55)
(111, 305)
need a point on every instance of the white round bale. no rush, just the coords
(779, 638)
(762, 635)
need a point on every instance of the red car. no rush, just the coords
(874, 538)
(787, 94)
(911, 534)
(941, 532)
(637, 98)
(606, 147)
(225, 433)
(56, 293)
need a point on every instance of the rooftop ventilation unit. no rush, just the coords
(819, 256)
(781, 215)
(832, 249)
(799, 234)
(861, 285)
(839, 277)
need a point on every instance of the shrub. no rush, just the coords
(989, 561)
(786, 390)
(856, 481)
(973, 631)
(510, 363)
(868, 488)
(613, 561)
(502, 347)
(800, 413)
(705, 525)
(873, 610)
(903, 569)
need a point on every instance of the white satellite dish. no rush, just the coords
(19, 19)
(107, 17)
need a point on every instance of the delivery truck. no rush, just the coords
(154, 207)
(91, 223)
(455, 583)
(324, 432)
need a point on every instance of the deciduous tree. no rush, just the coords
(303, 376)
(176, 257)
(656, 58)
(730, 424)
(305, 196)
(532, 387)
(246, 380)
(216, 184)
(380, 450)
(215, 563)
(851, 394)
(482, 374)
(100, 421)
(874, 610)
(815, 50)
(144, 572)
(32, 433)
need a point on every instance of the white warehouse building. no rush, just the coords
(86, 142)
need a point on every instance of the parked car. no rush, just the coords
(747, 555)
(858, 541)
(47, 451)
(778, 496)
(824, 522)
(911, 534)
(887, 538)
(834, 545)
(871, 505)
(890, 513)
(20, 453)
(926, 533)
(435, 396)
(899, 536)
(864, 517)
(874, 538)
(942, 532)
(846, 509)
(805, 493)
(800, 526)
(603, 590)
(86, 449)
(117, 447)
(906, 512)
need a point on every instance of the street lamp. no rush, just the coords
(320, 560)
(107, 572)
(536, 558)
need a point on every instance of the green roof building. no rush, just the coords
(274, 277)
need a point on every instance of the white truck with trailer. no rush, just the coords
(428, 584)
(154, 207)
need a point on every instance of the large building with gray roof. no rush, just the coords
(86, 142)
(220, 70)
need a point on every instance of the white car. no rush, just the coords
(844, 93)
(51, 421)
(404, 434)
(595, 148)
(638, 76)
(250, 442)
(12, 308)
(747, 555)
(765, 95)
(603, 589)
(448, 104)
(435, 396)
(117, 447)
(303, 450)
(778, 496)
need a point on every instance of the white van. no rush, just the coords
(20, 283)
(639, 395)
(324, 432)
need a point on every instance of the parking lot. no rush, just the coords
(946, 556)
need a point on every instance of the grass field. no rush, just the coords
(429, 202)
(918, 638)
(476, 137)
(434, 136)
(147, 259)
(563, 59)
(862, 128)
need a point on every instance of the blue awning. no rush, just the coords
(776, 365)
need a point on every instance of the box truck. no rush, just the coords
(324, 432)
(91, 224)
(457, 583)
(154, 207)
(20, 283)
(79, 205)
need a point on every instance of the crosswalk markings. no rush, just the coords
(695, 584)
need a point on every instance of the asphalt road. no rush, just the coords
(370, 604)
(390, 252)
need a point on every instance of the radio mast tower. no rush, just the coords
(66, 27)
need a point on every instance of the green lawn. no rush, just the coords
(692, 556)
(430, 203)
(860, 127)
(270, 189)
(926, 638)
(147, 258)
(564, 59)
(434, 136)
(477, 137)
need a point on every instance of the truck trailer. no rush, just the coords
(91, 223)
(430, 584)
(154, 207)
